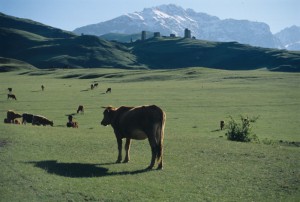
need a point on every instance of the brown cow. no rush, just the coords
(11, 116)
(41, 120)
(137, 123)
(108, 90)
(80, 109)
(12, 96)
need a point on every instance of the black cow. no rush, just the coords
(41, 120)
(12, 96)
(80, 109)
(137, 123)
(27, 118)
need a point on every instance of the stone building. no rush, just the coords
(187, 33)
(143, 35)
(156, 34)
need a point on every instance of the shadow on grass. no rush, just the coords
(80, 170)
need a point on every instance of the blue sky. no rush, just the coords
(70, 14)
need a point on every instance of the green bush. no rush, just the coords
(241, 132)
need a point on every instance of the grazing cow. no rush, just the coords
(71, 123)
(43, 87)
(108, 90)
(41, 120)
(222, 124)
(80, 109)
(12, 96)
(137, 123)
(92, 86)
(95, 85)
(27, 118)
(11, 116)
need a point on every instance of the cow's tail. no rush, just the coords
(160, 139)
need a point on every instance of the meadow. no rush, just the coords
(44, 163)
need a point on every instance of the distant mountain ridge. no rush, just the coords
(290, 37)
(172, 19)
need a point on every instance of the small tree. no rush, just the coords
(241, 131)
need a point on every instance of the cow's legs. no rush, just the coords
(119, 140)
(153, 146)
(127, 149)
(160, 157)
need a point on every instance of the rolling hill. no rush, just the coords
(182, 52)
(47, 47)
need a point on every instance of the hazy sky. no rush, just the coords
(70, 14)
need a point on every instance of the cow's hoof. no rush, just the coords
(118, 161)
(125, 161)
(149, 168)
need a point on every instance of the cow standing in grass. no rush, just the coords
(80, 109)
(12, 96)
(137, 123)
(222, 124)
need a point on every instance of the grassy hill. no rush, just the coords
(46, 47)
(180, 52)
(8, 64)
(63, 164)
(32, 27)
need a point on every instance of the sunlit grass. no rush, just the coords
(64, 164)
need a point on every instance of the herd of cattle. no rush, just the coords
(12, 117)
(139, 123)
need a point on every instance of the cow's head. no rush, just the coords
(108, 115)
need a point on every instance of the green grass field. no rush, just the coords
(62, 164)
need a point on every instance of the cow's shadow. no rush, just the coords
(80, 170)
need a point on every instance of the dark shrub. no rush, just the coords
(241, 131)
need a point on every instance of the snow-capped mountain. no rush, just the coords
(290, 38)
(172, 19)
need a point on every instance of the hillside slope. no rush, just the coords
(46, 47)
(8, 64)
(180, 52)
